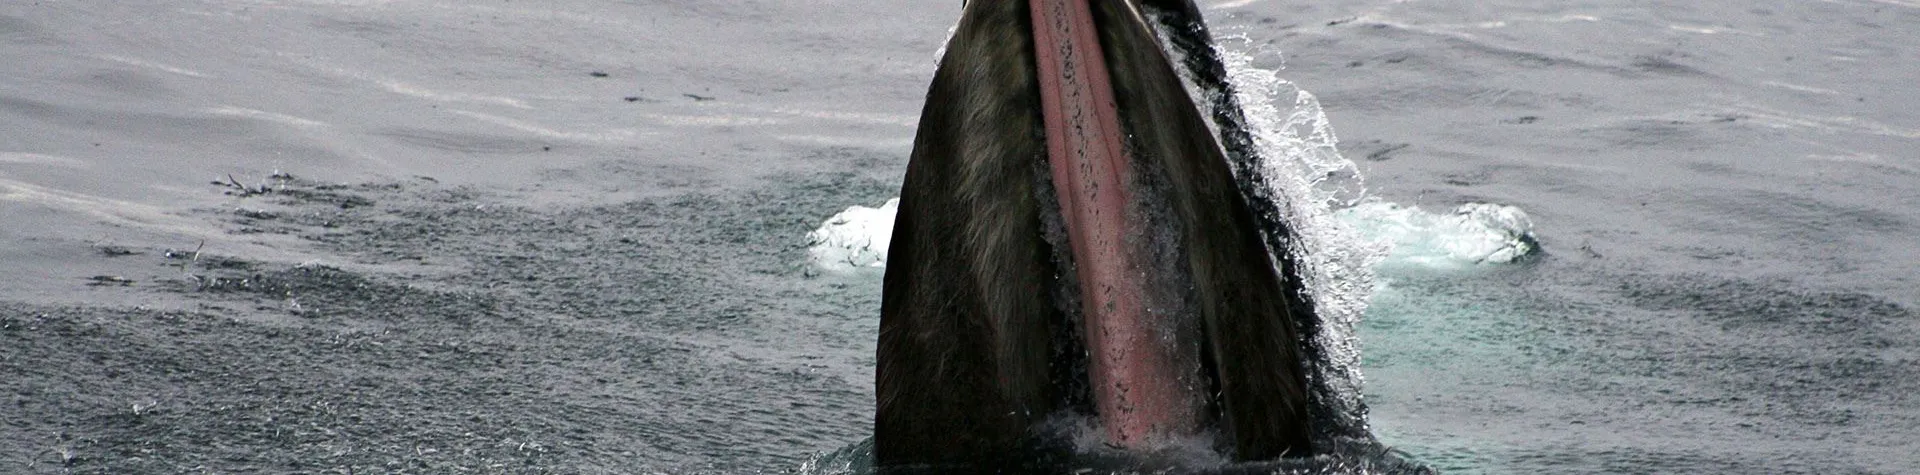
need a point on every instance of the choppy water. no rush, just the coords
(1724, 194)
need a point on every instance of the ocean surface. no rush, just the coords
(1594, 237)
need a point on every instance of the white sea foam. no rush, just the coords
(1471, 234)
(855, 238)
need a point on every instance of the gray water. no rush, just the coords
(1725, 194)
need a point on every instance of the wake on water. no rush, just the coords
(1342, 236)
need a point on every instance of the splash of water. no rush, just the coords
(1301, 161)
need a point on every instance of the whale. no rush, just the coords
(1079, 255)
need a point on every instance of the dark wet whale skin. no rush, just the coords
(979, 342)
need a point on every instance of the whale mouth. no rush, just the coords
(1150, 211)
(1142, 386)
